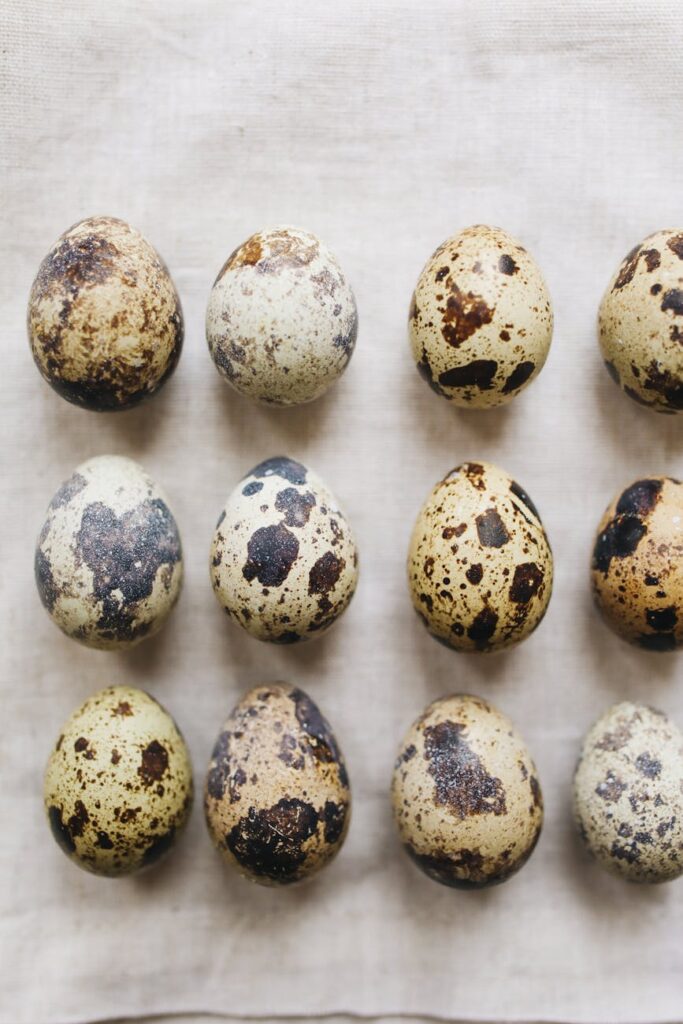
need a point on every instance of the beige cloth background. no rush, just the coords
(383, 128)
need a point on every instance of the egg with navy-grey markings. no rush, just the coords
(480, 321)
(118, 783)
(281, 321)
(104, 318)
(465, 793)
(108, 562)
(628, 793)
(637, 564)
(277, 797)
(480, 568)
(284, 563)
(640, 323)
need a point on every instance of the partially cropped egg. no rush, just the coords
(628, 793)
(104, 318)
(281, 321)
(277, 795)
(284, 563)
(480, 568)
(641, 323)
(118, 784)
(108, 562)
(637, 567)
(465, 793)
(480, 321)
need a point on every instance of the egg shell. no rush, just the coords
(628, 793)
(480, 321)
(637, 566)
(104, 319)
(277, 795)
(108, 562)
(480, 568)
(640, 323)
(118, 784)
(284, 563)
(465, 794)
(281, 322)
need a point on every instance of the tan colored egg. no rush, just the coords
(118, 785)
(108, 562)
(284, 563)
(480, 568)
(641, 323)
(281, 322)
(277, 796)
(480, 322)
(465, 794)
(637, 567)
(104, 319)
(628, 793)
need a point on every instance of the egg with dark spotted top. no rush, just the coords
(637, 566)
(108, 562)
(480, 322)
(104, 319)
(277, 795)
(118, 784)
(640, 323)
(480, 568)
(628, 793)
(284, 563)
(466, 795)
(281, 322)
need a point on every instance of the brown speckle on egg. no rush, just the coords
(104, 319)
(277, 796)
(465, 794)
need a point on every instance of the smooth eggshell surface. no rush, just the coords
(641, 323)
(637, 567)
(480, 569)
(108, 563)
(465, 794)
(277, 795)
(104, 319)
(480, 322)
(281, 321)
(118, 784)
(284, 564)
(628, 793)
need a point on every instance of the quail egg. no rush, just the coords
(281, 322)
(118, 784)
(480, 569)
(637, 567)
(628, 793)
(277, 795)
(104, 318)
(641, 323)
(480, 322)
(108, 562)
(284, 564)
(465, 793)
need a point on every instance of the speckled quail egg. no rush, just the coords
(277, 795)
(466, 797)
(641, 323)
(108, 561)
(480, 322)
(480, 569)
(284, 564)
(118, 785)
(637, 567)
(628, 793)
(104, 318)
(281, 322)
